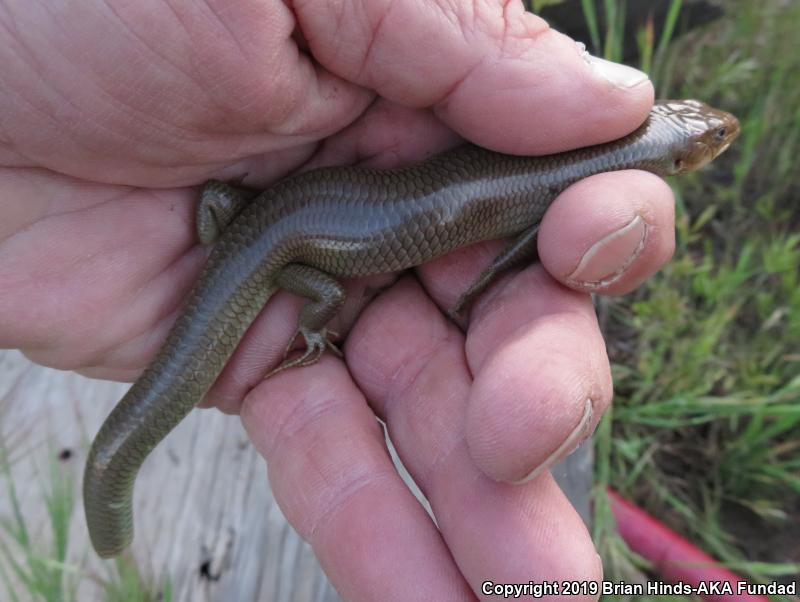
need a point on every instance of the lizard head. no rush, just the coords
(705, 133)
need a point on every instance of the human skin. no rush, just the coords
(115, 111)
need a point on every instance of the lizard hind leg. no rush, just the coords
(219, 205)
(326, 296)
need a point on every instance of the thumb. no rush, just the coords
(496, 74)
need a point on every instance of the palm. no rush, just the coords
(152, 97)
(121, 255)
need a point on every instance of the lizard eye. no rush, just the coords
(721, 133)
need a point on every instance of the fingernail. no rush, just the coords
(600, 264)
(569, 444)
(617, 73)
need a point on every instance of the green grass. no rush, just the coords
(705, 432)
(29, 568)
(34, 566)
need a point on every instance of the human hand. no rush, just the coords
(127, 106)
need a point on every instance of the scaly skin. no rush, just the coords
(343, 222)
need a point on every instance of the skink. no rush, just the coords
(308, 230)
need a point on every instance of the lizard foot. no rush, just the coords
(316, 343)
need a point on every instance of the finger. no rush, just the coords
(419, 380)
(536, 346)
(609, 233)
(494, 73)
(332, 476)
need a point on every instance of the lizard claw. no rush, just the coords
(316, 343)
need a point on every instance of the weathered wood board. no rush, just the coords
(205, 517)
(206, 520)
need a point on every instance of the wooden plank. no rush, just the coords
(205, 517)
